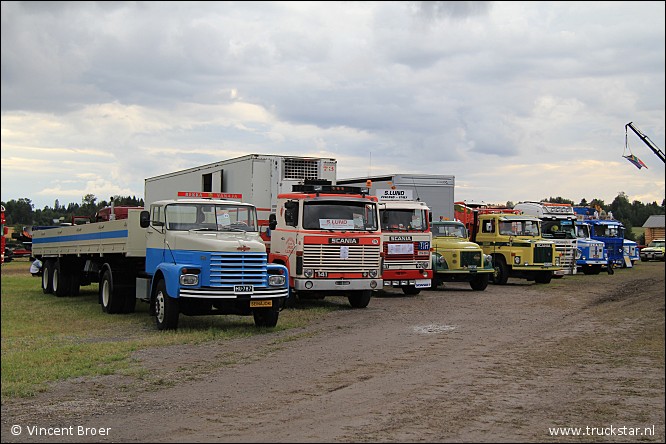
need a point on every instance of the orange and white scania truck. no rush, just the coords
(407, 241)
(328, 236)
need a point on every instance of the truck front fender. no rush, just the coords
(171, 273)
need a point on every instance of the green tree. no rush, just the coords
(19, 212)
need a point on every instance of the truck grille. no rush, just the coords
(402, 257)
(327, 257)
(468, 258)
(229, 269)
(568, 255)
(543, 254)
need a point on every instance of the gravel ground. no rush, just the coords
(514, 363)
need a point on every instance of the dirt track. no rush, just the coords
(454, 365)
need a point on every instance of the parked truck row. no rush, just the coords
(253, 234)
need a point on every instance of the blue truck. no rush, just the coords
(605, 229)
(182, 256)
(591, 254)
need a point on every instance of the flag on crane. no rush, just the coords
(635, 160)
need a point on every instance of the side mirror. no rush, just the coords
(272, 221)
(144, 219)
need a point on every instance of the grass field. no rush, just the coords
(46, 338)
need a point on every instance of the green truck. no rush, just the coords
(456, 259)
(517, 248)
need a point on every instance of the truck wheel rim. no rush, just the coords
(105, 293)
(159, 307)
(55, 279)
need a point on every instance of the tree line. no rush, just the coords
(21, 212)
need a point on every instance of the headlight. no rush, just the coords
(189, 279)
(578, 253)
(276, 280)
(373, 273)
(422, 264)
(308, 273)
(516, 260)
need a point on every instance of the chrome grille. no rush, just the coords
(229, 269)
(327, 257)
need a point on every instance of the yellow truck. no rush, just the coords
(517, 248)
(456, 259)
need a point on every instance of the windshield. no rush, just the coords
(209, 217)
(583, 231)
(449, 230)
(558, 229)
(403, 219)
(608, 231)
(519, 228)
(656, 244)
(340, 216)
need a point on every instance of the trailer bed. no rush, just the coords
(124, 236)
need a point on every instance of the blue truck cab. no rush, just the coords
(591, 254)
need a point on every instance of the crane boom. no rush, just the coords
(647, 141)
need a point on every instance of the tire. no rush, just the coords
(410, 290)
(75, 284)
(61, 281)
(359, 299)
(47, 277)
(166, 308)
(111, 302)
(480, 282)
(592, 269)
(543, 277)
(501, 274)
(266, 317)
(436, 282)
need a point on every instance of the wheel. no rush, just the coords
(436, 282)
(359, 299)
(480, 282)
(61, 281)
(592, 269)
(266, 317)
(501, 274)
(166, 308)
(543, 277)
(111, 302)
(410, 290)
(47, 277)
(75, 284)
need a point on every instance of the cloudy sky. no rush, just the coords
(517, 100)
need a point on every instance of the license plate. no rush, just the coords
(263, 303)
(243, 289)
